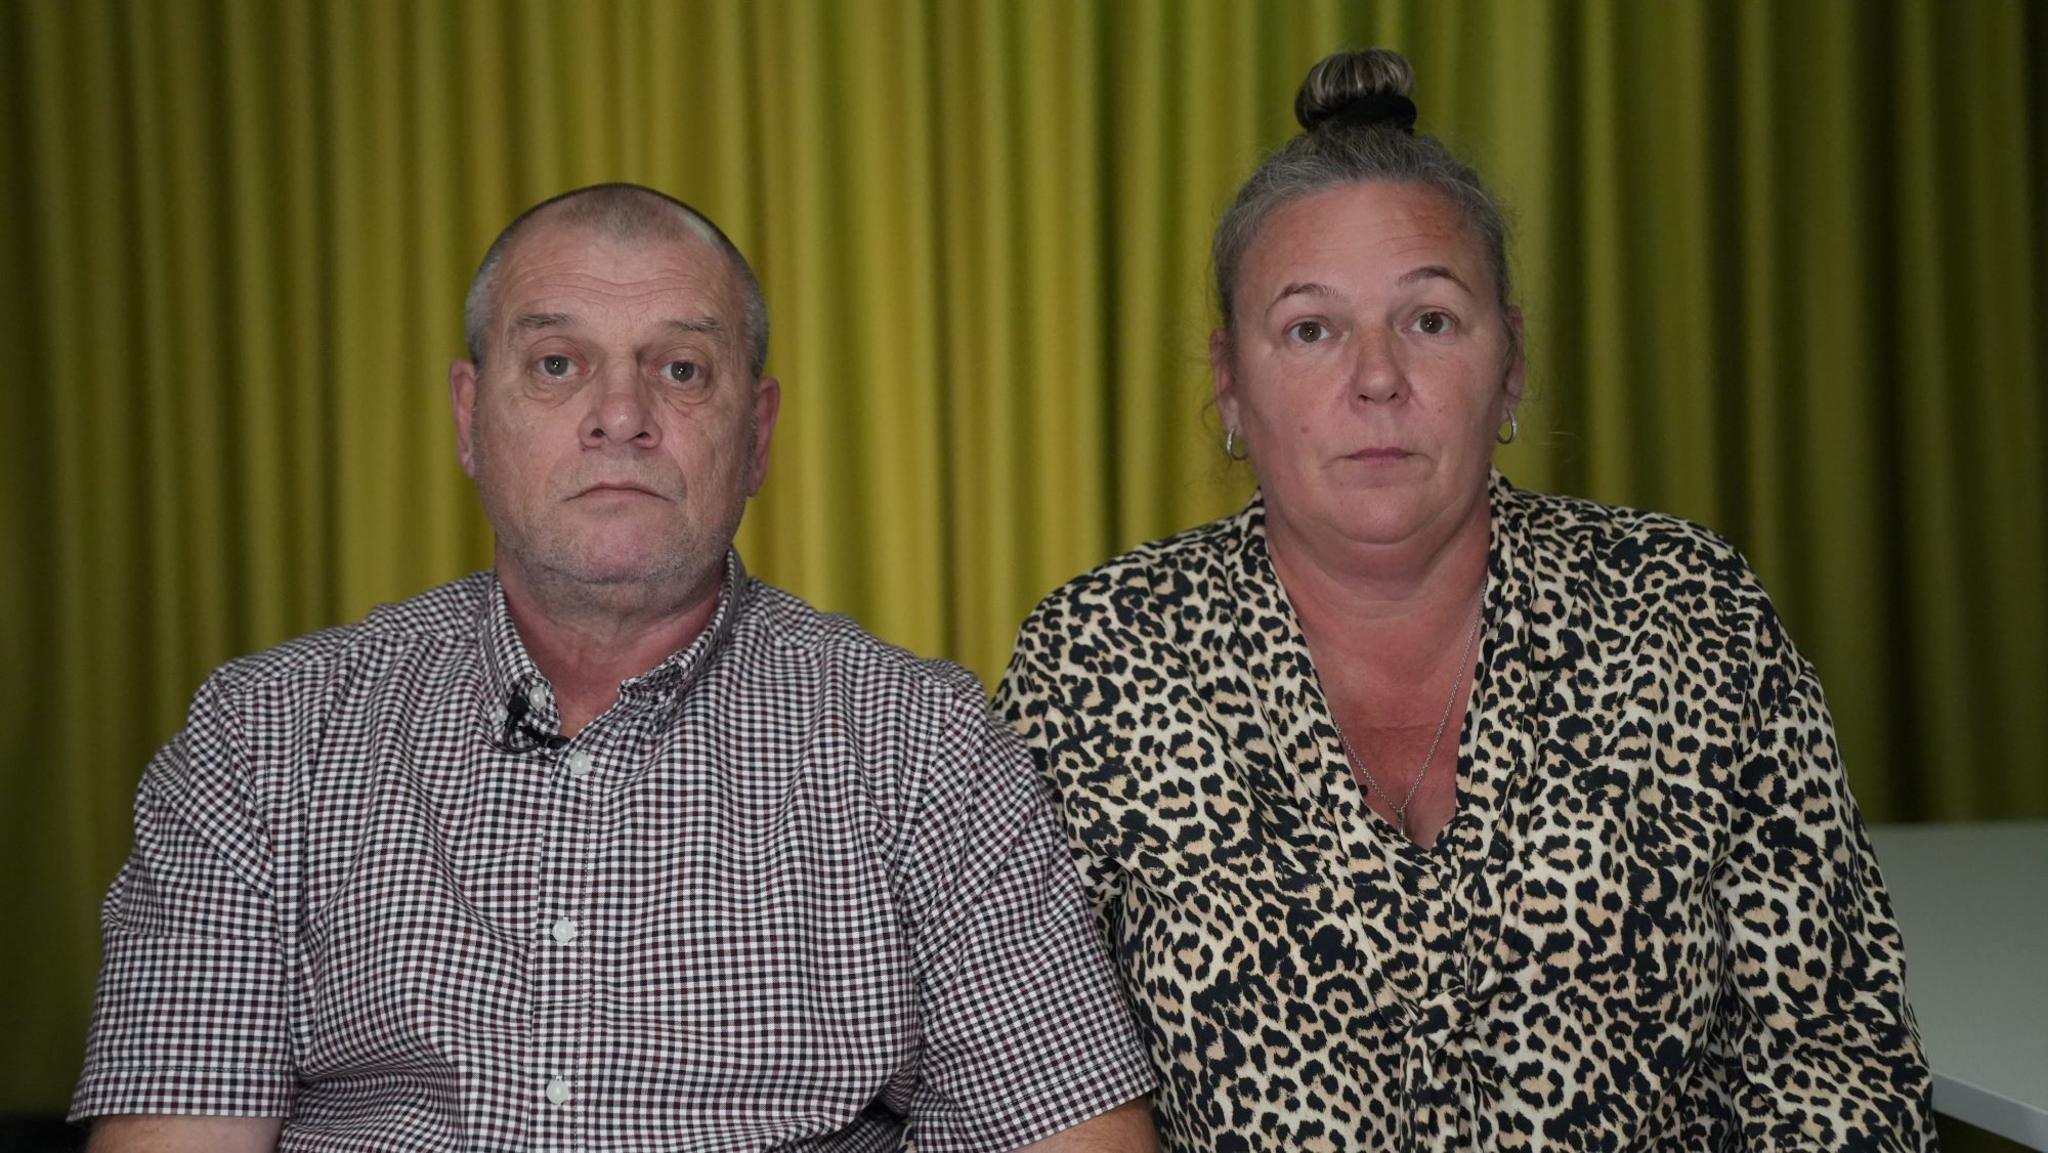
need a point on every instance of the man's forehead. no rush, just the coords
(547, 245)
(557, 272)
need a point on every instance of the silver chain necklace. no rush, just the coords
(1358, 762)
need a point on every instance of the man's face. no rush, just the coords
(614, 431)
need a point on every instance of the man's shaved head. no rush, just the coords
(622, 212)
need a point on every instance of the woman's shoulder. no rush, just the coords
(1142, 591)
(1620, 542)
(1632, 567)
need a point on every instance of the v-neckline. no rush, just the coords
(1444, 881)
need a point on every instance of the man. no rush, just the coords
(614, 847)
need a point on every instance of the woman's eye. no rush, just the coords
(555, 366)
(1307, 331)
(682, 371)
(1434, 323)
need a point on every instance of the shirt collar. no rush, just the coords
(511, 681)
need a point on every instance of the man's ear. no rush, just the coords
(767, 406)
(1222, 380)
(462, 399)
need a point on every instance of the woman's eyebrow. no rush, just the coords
(1301, 288)
(1431, 272)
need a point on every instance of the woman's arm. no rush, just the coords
(1826, 1051)
(1028, 700)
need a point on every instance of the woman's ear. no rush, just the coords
(1517, 363)
(1222, 380)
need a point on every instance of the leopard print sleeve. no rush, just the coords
(1826, 1052)
(1028, 699)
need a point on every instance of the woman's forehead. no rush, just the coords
(1377, 233)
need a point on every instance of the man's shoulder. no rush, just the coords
(838, 648)
(439, 617)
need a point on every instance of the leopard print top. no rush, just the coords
(1654, 922)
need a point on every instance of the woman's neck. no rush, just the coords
(1400, 604)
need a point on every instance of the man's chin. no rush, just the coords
(624, 571)
(627, 573)
(607, 562)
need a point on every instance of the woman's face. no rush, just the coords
(1369, 367)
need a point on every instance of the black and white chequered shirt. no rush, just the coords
(793, 889)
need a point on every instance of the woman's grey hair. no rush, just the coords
(1357, 127)
(625, 212)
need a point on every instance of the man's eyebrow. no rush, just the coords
(709, 325)
(540, 321)
(1431, 272)
(531, 321)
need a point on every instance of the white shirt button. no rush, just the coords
(564, 930)
(558, 1091)
(541, 696)
(580, 764)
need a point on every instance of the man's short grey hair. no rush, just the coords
(1343, 143)
(625, 212)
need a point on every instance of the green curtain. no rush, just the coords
(1784, 267)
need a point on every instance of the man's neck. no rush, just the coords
(589, 642)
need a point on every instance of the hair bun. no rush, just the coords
(1360, 89)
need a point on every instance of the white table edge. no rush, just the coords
(1991, 1112)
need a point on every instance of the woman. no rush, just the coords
(1425, 812)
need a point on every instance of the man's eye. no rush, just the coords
(1307, 331)
(682, 371)
(555, 366)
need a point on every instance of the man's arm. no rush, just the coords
(1124, 1129)
(202, 1135)
(1026, 1036)
(191, 1017)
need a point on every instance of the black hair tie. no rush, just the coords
(1390, 108)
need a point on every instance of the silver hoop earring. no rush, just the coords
(1514, 430)
(1230, 446)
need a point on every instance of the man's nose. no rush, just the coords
(621, 411)
(1377, 374)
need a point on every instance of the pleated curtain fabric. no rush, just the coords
(1783, 265)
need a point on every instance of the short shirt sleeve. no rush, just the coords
(1025, 1030)
(191, 1011)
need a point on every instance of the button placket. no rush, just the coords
(562, 964)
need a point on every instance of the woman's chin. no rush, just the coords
(1382, 521)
